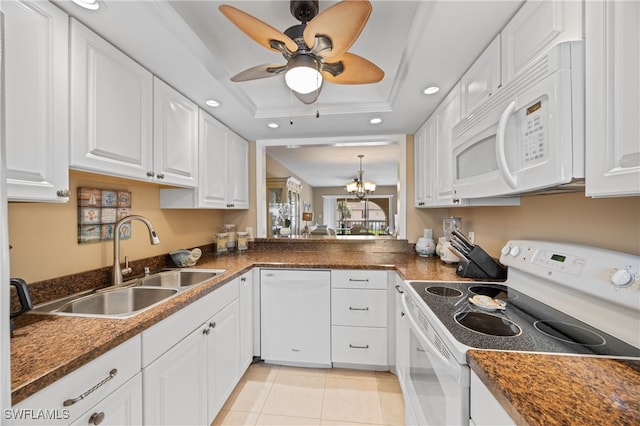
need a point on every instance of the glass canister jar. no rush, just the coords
(243, 241)
(222, 239)
(230, 229)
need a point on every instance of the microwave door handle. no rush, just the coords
(414, 325)
(501, 157)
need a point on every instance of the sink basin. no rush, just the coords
(178, 278)
(130, 299)
(120, 302)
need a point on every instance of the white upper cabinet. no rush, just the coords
(424, 164)
(612, 98)
(223, 171)
(483, 78)
(446, 116)
(537, 26)
(111, 109)
(175, 136)
(37, 101)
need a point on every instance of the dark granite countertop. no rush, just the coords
(544, 389)
(45, 348)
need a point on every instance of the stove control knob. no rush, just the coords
(515, 251)
(505, 250)
(622, 278)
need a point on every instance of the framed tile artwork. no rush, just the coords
(98, 212)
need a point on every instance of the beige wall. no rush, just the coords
(275, 169)
(612, 223)
(44, 236)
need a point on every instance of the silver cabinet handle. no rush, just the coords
(358, 280)
(96, 418)
(351, 308)
(150, 174)
(358, 346)
(398, 289)
(212, 324)
(111, 375)
(206, 331)
(63, 193)
(160, 175)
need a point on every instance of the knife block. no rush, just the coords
(480, 265)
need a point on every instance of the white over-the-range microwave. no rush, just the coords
(530, 135)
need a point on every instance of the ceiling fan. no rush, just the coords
(315, 49)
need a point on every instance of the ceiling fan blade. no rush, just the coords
(342, 23)
(256, 29)
(355, 70)
(308, 98)
(259, 71)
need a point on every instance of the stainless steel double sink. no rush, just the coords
(131, 298)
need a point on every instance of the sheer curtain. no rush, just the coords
(329, 210)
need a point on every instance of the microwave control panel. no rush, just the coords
(533, 138)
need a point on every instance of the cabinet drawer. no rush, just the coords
(125, 359)
(359, 345)
(356, 307)
(353, 278)
(123, 407)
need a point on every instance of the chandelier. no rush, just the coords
(359, 187)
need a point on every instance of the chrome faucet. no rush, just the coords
(117, 271)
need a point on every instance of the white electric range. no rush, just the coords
(558, 298)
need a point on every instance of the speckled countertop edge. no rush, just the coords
(550, 389)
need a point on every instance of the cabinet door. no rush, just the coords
(612, 98)
(447, 115)
(223, 357)
(37, 101)
(238, 172)
(246, 321)
(537, 26)
(483, 78)
(122, 408)
(111, 108)
(402, 342)
(485, 410)
(213, 163)
(175, 385)
(175, 136)
(424, 165)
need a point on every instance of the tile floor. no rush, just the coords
(279, 395)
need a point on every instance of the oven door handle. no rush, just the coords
(416, 329)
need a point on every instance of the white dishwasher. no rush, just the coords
(295, 318)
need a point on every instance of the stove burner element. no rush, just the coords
(488, 324)
(569, 333)
(444, 291)
(494, 292)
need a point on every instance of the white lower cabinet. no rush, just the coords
(485, 409)
(93, 387)
(246, 320)
(359, 318)
(122, 407)
(191, 381)
(402, 339)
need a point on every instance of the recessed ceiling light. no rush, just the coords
(88, 4)
(273, 125)
(431, 90)
(212, 103)
(376, 120)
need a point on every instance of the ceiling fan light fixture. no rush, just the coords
(303, 75)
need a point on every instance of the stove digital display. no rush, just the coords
(558, 258)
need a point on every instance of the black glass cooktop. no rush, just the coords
(518, 323)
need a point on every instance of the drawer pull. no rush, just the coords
(358, 280)
(111, 375)
(398, 289)
(351, 308)
(358, 346)
(96, 418)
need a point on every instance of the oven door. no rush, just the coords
(437, 386)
